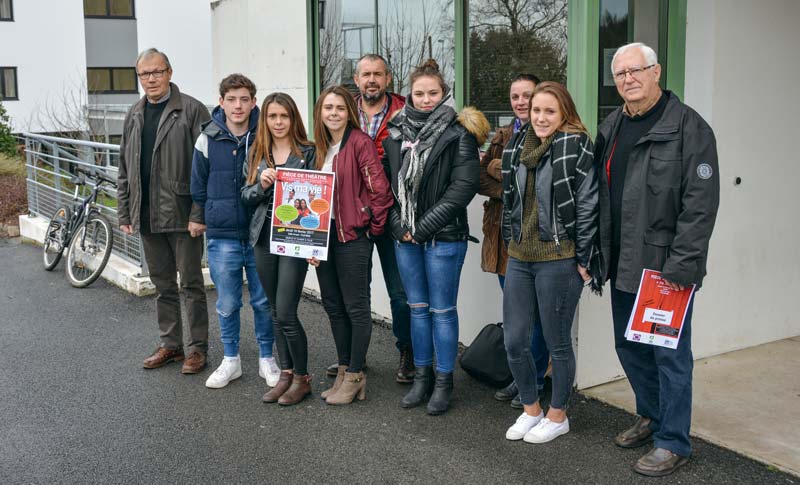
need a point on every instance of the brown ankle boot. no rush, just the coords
(300, 388)
(353, 386)
(336, 384)
(280, 388)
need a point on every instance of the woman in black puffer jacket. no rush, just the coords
(431, 157)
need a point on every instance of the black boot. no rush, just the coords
(442, 392)
(421, 389)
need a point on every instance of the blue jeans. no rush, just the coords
(661, 377)
(226, 259)
(431, 273)
(401, 317)
(541, 356)
(541, 295)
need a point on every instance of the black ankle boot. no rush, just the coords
(420, 389)
(442, 392)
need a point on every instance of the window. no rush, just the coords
(120, 9)
(511, 38)
(6, 11)
(8, 83)
(404, 32)
(111, 80)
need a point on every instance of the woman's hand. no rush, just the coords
(584, 273)
(407, 237)
(267, 178)
(312, 261)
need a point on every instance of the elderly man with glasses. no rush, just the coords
(659, 195)
(155, 200)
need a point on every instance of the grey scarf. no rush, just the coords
(421, 130)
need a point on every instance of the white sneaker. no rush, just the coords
(524, 424)
(228, 370)
(546, 431)
(269, 370)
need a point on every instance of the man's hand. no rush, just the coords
(126, 228)
(674, 286)
(196, 229)
(268, 176)
(584, 273)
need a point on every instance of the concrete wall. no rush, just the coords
(50, 59)
(741, 78)
(182, 29)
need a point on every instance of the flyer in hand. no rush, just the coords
(659, 312)
(301, 216)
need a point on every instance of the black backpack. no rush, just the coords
(485, 360)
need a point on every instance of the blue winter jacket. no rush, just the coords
(217, 177)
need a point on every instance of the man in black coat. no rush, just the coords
(659, 194)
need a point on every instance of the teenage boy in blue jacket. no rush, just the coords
(221, 150)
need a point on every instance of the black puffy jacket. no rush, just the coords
(450, 179)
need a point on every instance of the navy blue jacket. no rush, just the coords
(217, 177)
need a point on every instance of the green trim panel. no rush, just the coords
(676, 47)
(583, 31)
(460, 12)
(312, 57)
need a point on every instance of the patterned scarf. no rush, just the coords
(421, 130)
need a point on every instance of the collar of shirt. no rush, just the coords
(368, 126)
(517, 124)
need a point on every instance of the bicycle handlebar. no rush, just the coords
(97, 175)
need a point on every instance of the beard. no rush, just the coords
(374, 98)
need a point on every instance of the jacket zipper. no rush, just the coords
(338, 203)
(555, 224)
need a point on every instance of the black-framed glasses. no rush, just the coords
(156, 74)
(635, 72)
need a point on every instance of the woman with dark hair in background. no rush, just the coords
(549, 223)
(280, 142)
(431, 155)
(361, 201)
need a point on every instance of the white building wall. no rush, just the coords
(50, 58)
(741, 77)
(181, 29)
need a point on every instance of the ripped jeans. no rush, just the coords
(431, 273)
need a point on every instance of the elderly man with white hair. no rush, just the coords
(659, 195)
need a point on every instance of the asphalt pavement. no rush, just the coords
(76, 406)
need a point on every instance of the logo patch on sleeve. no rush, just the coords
(704, 171)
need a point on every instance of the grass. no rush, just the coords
(12, 165)
(13, 193)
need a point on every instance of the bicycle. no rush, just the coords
(84, 232)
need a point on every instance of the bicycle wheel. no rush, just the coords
(53, 246)
(87, 256)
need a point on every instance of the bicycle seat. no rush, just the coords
(78, 179)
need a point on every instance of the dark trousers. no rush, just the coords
(546, 295)
(282, 278)
(168, 254)
(660, 377)
(344, 284)
(401, 314)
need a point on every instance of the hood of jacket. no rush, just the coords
(471, 118)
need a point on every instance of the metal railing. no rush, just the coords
(51, 161)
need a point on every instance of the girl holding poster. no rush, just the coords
(432, 156)
(280, 142)
(361, 200)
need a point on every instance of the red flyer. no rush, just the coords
(659, 312)
(301, 217)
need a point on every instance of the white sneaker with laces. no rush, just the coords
(524, 424)
(228, 370)
(268, 369)
(546, 431)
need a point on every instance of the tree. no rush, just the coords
(8, 143)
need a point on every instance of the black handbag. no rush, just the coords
(485, 360)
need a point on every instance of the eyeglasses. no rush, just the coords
(635, 72)
(156, 74)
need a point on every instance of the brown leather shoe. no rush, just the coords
(659, 462)
(300, 388)
(405, 371)
(195, 363)
(637, 435)
(336, 384)
(354, 386)
(163, 356)
(284, 381)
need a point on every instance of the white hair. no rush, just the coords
(152, 52)
(649, 54)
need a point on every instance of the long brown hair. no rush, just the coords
(572, 121)
(322, 136)
(262, 145)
